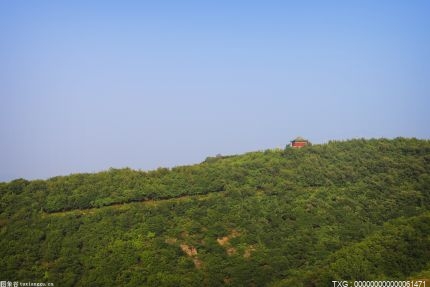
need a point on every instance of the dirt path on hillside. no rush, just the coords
(127, 205)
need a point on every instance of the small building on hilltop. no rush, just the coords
(300, 142)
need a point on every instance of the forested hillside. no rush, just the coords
(353, 210)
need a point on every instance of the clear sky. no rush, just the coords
(88, 85)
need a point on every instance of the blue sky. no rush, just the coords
(88, 85)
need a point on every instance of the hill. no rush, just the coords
(352, 210)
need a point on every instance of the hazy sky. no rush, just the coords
(88, 85)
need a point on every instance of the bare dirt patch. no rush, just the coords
(248, 251)
(189, 250)
(225, 242)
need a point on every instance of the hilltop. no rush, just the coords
(353, 210)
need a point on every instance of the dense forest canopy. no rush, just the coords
(352, 210)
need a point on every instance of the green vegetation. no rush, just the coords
(352, 210)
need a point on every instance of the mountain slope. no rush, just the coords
(262, 218)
